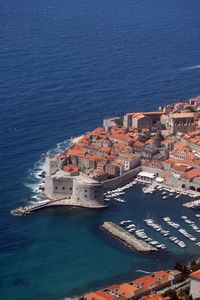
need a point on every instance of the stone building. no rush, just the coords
(195, 284)
(182, 122)
(148, 120)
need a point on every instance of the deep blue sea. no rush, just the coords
(64, 66)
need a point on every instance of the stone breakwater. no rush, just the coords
(127, 238)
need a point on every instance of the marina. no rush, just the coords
(165, 233)
(140, 233)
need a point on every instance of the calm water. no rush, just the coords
(64, 65)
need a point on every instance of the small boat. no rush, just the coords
(131, 230)
(119, 200)
(131, 226)
(126, 222)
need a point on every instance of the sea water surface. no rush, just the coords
(64, 66)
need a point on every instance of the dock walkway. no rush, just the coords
(26, 210)
(127, 238)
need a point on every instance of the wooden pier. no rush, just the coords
(127, 238)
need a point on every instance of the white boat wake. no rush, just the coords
(191, 68)
(142, 271)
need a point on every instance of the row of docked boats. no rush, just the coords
(140, 233)
(191, 224)
(181, 230)
(151, 223)
(168, 191)
(114, 194)
(192, 204)
(170, 223)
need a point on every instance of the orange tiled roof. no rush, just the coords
(162, 275)
(145, 282)
(76, 152)
(139, 144)
(153, 297)
(127, 290)
(71, 168)
(182, 115)
(191, 174)
(138, 116)
(105, 149)
(173, 161)
(121, 136)
(98, 295)
(196, 274)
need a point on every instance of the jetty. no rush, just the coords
(26, 210)
(127, 238)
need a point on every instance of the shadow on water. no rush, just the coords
(20, 282)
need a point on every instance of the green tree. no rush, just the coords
(172, 294)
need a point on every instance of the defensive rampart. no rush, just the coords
(121, 180)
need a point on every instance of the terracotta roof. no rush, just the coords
(196, 274)
(180, 168)
(138, 116)
(191, 174)
(113, 287)
(127, 290)
(158, 113)
(71, 168)
(76, 152)
(162, 275)
(98, 295)
(139, 144)
(165, 175)
(145, 282)
(121, 136)
(182, 115)
(173, 161)
(153, 297)
(105, 149)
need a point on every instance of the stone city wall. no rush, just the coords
(121, 180)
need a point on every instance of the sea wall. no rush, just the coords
(121, 180)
